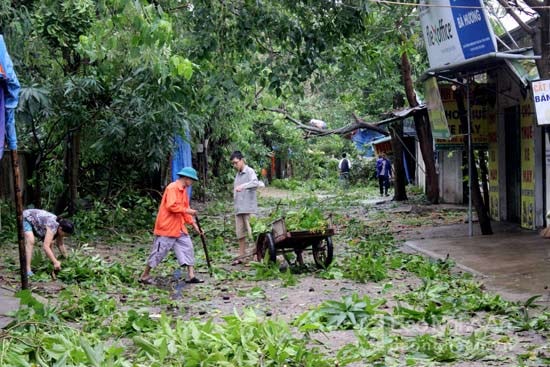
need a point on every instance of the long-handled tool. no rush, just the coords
(250, 254)
(203, 239)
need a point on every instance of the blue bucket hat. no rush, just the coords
(188, 172)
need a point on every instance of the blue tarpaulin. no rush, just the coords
(181, 156)
(10, 97)
(362, 139)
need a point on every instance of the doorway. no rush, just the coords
(513, 163)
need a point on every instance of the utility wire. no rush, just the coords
(389, 2)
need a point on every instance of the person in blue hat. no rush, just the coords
(170, 227)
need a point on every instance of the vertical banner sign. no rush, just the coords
(436, 112)
(527, 165)
(479, 113)
(541, 97)
(494, 198)
(455, 30)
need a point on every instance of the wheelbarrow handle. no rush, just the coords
(205, 248)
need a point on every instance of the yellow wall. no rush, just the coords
(527, 164)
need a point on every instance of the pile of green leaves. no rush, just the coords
(449, 347)
(307, 218)
(368, 259)
(350, 313)
(241, 340)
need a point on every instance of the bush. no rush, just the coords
(362, 171)
(130, 213)
(8, 228)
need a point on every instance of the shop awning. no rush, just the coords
(481, 64)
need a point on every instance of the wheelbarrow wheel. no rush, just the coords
(322, 252)
(267, 247)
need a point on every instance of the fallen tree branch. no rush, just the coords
(315, 131)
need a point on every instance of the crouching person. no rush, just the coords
(47, 227)
(170, 227)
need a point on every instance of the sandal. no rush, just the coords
(194, 280)
(146, 281)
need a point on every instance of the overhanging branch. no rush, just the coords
(506, 5)
(312, 131)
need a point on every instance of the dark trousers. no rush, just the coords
(384, 184)
(344, 179)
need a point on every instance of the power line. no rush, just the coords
(404, 3)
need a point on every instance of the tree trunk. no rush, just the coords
(73, 164)
(425, 140)
(396, 132)
(484, 180)
(67, 199)
(37, 193)
(477, 200)
(540, 35)
(19, 220)
(37, 185)
(541, 40)
(423, 132)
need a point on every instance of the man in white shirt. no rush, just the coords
(344, 167)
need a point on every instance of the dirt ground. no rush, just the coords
(218, 298)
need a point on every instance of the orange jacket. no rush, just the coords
(171, 218)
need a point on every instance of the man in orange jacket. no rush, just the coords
(170, 231)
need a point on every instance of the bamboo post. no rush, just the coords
(19, 213)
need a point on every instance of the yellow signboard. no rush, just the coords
(479, 115)
(527, 164)
(494, 197)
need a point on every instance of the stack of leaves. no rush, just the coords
(305, 219)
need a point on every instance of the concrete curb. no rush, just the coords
(441, 257)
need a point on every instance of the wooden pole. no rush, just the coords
(19, 213)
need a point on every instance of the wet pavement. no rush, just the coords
(512, 262)
(8, 304)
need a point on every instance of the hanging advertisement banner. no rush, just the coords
(480, 113)
(455, 30)
(541, 97)
(527, 165)
(436, 112)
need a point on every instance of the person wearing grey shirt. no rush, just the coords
(244, 196)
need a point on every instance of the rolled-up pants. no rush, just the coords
(183, 249)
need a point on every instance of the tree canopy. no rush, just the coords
(113, 81)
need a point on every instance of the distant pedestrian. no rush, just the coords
(47, 227)
(384, 173)
(245, 201)
(170, 230)
(344, 168)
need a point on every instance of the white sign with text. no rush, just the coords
(455, 30)
(541, 97)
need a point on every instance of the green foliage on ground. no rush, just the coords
(350, 313)
(101, 316)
